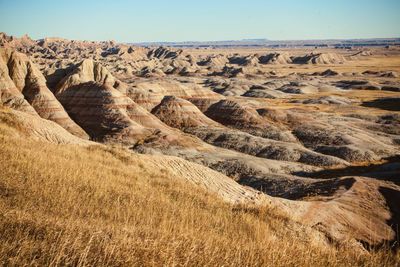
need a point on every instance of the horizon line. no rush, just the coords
(207, 41)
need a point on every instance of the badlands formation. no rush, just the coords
(314, 133)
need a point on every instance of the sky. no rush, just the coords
(200, 20)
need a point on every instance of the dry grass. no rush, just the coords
(81, 206)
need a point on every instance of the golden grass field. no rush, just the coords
(102, 206)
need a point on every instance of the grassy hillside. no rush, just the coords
(76, 205)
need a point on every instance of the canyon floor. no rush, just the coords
(114, 154)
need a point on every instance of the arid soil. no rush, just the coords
(314, 133)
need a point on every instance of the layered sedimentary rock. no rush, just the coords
(244, 60)
(265, 120)
(164, 53)
(89, 71)
(23, 76)
(180, 113)
(184, 115)
(33, 126)
(98, 103)
(9, 94)
(149, 93)
(214, 61)
(275, 58)
(320, 58)
(233, 114)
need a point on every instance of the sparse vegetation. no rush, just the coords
(101, 206)
(115, 151)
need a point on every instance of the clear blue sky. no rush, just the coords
(200, 20)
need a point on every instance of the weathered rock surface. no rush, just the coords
(279, 122)
(232, 114)
(275, 58)
(96, 100)
(21, 75)
(320, 58)
(184, 115)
